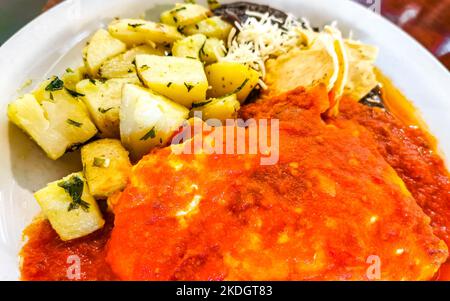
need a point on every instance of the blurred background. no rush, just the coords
(426, 20)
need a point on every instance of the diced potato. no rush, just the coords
(103, 100)
(136, 32)
(148, 120)
(212, 51)
(106, 167)
(218, 108)
(56, 124)
(214, 27)
(189, 47)
(70, 208)
(101, 47)
(182, 80)
(72, 77)
(184, 14)
(122, 66)
(228, 78)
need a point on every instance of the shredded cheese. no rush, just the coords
(260, 38)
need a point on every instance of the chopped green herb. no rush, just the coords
(241, 86)
(189, 87)
(69, 70)
(136, 25)
(178, 9)
(55, 84)
(169, 84)
(191, 57)
(51, 96)
(190, 1)
(74, 123)
(101, 162)
(92, 80)
(150, 134)
(200, 104)
(175, 19)
(74, 187)
(144, 67)
(74, 93)
(103, 111)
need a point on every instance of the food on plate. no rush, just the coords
(231, 78)
(182, 80)
(266, 215)
(101, 47)
(189, 47)
(222, 108)
(103, 100)
(57, 123)
(106, 167)
(136, 32)
(214, 27)
(184, 14)
(148, 119)
(153, 109)
(70, 207)
(122, 66)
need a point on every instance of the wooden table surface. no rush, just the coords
(426, 20)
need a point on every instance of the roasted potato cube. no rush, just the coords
(136, 32)
(72, 77)
(185, 14)
(56, 124)
(106, 167)
(122, 66)
(212, 50)
(101, 47)
(217, 108)
(182, 80)
(189, 47)
(103, 100)
(70, 208)
(213, 27)
(231, 78)
(147, 120)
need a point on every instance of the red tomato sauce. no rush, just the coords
(45, 256)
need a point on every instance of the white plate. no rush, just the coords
(53, 42)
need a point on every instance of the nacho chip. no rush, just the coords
(361, 76)
(302, 68)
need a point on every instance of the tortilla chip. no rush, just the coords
(361, 75)
(342, 70)
(303, 68)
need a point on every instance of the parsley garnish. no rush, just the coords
(241, 86)
(135, 25)
(189, 87)
(74, 123)
(200, 104)
(178, 9)
(74, 187)
(74, 93)
(150, 134)
(169, 84)
(101, 162)
(103, 111)
(55, 84)
(69, 70)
